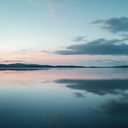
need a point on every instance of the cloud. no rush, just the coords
(45, 51)
(32, 2)
(114, 24)
(9, 61)
(99, 87)
(104, 62)
(112, 62)
(52, 7)
(27, 50)
(79, 38)
(97, 47)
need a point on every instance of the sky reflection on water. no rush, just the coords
(62, 98)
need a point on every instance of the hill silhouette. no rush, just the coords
(20, 66)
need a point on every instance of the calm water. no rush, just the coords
(64, 98)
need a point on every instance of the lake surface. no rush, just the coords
(64, 98)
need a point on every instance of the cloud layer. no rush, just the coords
(97, 47)
(114, 25)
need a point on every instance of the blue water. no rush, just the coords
(64, 98)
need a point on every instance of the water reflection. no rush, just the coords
(116, 107)
(100, 87)
(75, 98)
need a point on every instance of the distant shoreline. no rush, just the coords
(45, 68)
(21, 66)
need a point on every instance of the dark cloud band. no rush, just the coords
(97, 47)
(114, 25)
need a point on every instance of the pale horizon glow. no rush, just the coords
(31, 27)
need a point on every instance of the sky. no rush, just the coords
(68, 32)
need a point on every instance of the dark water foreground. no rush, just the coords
(64, 98)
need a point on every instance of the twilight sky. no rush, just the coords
(79, 32)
